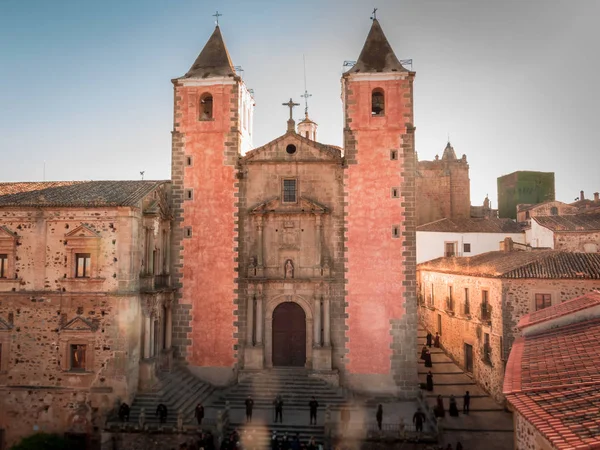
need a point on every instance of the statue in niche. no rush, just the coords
(289, 269)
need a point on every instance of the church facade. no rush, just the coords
(296, 253)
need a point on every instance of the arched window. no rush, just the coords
(554, 211)
(377, 102)
(206, 107)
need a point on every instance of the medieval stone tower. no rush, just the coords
(296, 253)
(379, 189)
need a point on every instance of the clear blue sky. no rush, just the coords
(85, 86)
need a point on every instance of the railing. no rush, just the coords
(162, 281)
(467, 309)
(486, 313)
(152, 282)
(486, 353)
(449, 304)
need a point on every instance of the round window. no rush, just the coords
(291, 149)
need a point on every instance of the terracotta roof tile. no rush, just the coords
(471, 225)
(539, 264)
(553, 380)
(570, 306)
(570, 222)
(75, 193)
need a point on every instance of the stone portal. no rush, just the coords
(289, 335)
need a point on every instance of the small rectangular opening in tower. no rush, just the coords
(187, 232)
(188, 161)
(395, 192)
(395, 231)
(189, 194)
(393, 155)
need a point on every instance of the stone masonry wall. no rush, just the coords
(205, 195)
(459, 328)
(577, 242)
(527, 437)
(380, 237)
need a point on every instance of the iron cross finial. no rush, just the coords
(374, 16)
(291, 105)
(217, 15)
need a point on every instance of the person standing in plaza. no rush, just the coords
(379, 416)
(199, 413)
(278, 409)
(418, 420)
(429, 339)
(313, 405)
(466, 402)
(249, 405)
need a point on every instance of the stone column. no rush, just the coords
(168, 326)
(318, 239)
(152, 337)
(260, 255)
(147, 336)
(250, 320)
(151, 262)
(317, 322)
(326, 339)
(259, 319)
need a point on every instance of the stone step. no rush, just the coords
(263, 433)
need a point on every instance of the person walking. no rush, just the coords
(313, 405)
(199, 413)
(423, 352)
(439, 408)
(278, 409)
(429, 381)
(249, 405)
(466, 402)
(436, 341)
(161, 412)
(379, 416)
(429, 339)
(453, 408)
(418, 420)
(427, 358)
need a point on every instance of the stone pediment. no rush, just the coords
(82, 231)
(306, 150)
(78, 324)
(5, 233)
(276, 206)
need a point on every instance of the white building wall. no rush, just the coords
(539, 236)
(431, 244)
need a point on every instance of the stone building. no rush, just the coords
(84, 300)
(475, 303)
(552, 381)
(526, 212)
(443, 188)
(573, 232)
(296, 253)
(523, 187)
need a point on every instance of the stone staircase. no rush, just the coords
(296, 388)
(178, 389)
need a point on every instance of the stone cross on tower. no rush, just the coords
(217, 15)
(374, 16)
(291, 123)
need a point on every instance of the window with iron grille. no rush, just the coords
(467, 306)
(486, 347)
(289, 191)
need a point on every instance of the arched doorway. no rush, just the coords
(289, 335)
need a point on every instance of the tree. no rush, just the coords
(42, 441)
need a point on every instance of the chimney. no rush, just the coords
(596, 197)
(581, 196)
(508, 245)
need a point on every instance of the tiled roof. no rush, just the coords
(553, 380)
(78, 193)
(544, 264)
(15, 188)
(213, 60)
(482, 225)
(562, 309)
(570, 222)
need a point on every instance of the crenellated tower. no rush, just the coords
(212, 129)
(379, 189)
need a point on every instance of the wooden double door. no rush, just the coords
(289, 335)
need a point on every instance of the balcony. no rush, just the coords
(151, 283)
(450, 305)
(486, 313)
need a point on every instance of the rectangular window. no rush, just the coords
(450, 305)
(82, 265)
(501, 349)
(289, 191)
(78, 356)
(467, 306)
(485, 311)
(486, 346)
(542, 301)
(4, 265)
(450, 249)
(396, 231)
(466, 248)
(432, 295)
(393, 155)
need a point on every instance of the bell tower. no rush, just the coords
(212, 128)
(380, 246)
